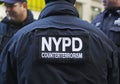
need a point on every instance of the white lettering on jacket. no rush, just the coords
(66, 42)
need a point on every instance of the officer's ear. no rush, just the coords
(75, 4)
(24, 4)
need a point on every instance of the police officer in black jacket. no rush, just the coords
(109, 20)
(17, 17)
(59, 48)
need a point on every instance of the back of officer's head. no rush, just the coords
(71, 1)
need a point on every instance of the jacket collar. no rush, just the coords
(113, 11)
(58, 8)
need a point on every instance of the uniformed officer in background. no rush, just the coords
(109, 20)
(17, 17)
(59, 48)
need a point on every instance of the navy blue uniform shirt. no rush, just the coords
(109, 22)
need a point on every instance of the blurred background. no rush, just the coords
(88, 9)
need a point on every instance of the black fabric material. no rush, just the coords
(71, 1)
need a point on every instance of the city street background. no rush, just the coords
(88, 9)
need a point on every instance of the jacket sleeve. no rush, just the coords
(8, 65)
(3, 30)
(113, 68)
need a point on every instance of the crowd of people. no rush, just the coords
(59, 47)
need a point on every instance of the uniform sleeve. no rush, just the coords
(113, 68)
(3, 29)
(8, 65)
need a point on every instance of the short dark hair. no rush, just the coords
(71, 1)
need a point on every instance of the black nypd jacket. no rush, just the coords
(7, 32)
(109, 22)
(59, 48)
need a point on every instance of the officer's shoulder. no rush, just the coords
(101, 14)
(3, 27)
(28, 28)
(2, 24)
